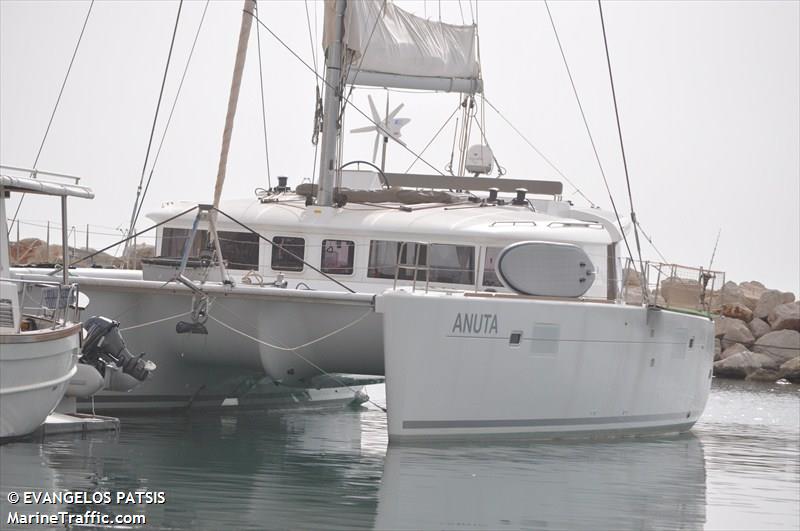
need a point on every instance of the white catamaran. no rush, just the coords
(459, 284)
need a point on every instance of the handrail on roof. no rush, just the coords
(452, 182)
(40, 186)
(33, 172)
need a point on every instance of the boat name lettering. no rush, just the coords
(475, 323)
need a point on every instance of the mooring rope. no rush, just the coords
(293, 350)
(157, 321)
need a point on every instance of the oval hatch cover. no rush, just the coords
(545, 269)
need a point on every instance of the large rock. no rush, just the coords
(764, 375)
(758, 327)
(743, 364)
(631, 277)
(724, 324)
(791, 370)
(737, 311)
(732, 332)
(788, 296)
(732, 351)
(751, 292)
(785, 316)
(731, 293)
(769, 299)
(682, 293)
(633, 295)
(717, 349)
(781, 345)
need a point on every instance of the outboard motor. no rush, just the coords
(104, 347)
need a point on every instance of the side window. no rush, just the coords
(337, 257)
(239, 249)
(173, 240)
(452, 264)
(489, 276)
(383, 259)
(449, 264)
(282, 260)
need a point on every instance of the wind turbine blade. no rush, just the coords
(375, 147)
(364, 129)
(375, 116)
(395, 111)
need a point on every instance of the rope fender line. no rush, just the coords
(294, 350)
(157, 321)
(298, 347)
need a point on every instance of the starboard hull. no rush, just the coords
(461, 366)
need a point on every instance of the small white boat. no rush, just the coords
(38, 350)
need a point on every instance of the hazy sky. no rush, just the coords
(709, 96)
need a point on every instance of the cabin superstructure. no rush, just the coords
(370, 246)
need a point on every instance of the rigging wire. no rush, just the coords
(171, 112)
(538, 152)
(155, 120)
(361, 60)
(55, 108)
(433, 138)
(714, 252)
(318, 92)
(132, 236)
(500, 170)
(284, 249)
(650, 240)
(621, 144)
(589, 132)
(311, 35)
(357, 109)
(263, 105)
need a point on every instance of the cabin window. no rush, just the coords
(284, 249)
(239, 249)
(337, 257)
(449, 264)
(383, 259)
(489, 264)
(452, 264)
(173, 241)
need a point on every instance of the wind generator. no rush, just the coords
(386, 127)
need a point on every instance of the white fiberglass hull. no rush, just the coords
(224, 368)
(35, 368)
(579, 369)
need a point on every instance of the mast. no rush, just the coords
(330, 113)
(233, 100)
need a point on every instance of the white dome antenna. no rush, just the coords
(479, 159)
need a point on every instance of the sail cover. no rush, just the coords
(406, 51)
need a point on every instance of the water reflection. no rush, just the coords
(656, 484)
(243, 471)
(331, 469)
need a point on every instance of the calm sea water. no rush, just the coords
(331, 469)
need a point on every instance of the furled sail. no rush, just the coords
(403, 50)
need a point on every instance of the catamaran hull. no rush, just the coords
(225, 367)
(460, 366)
(35, 369)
